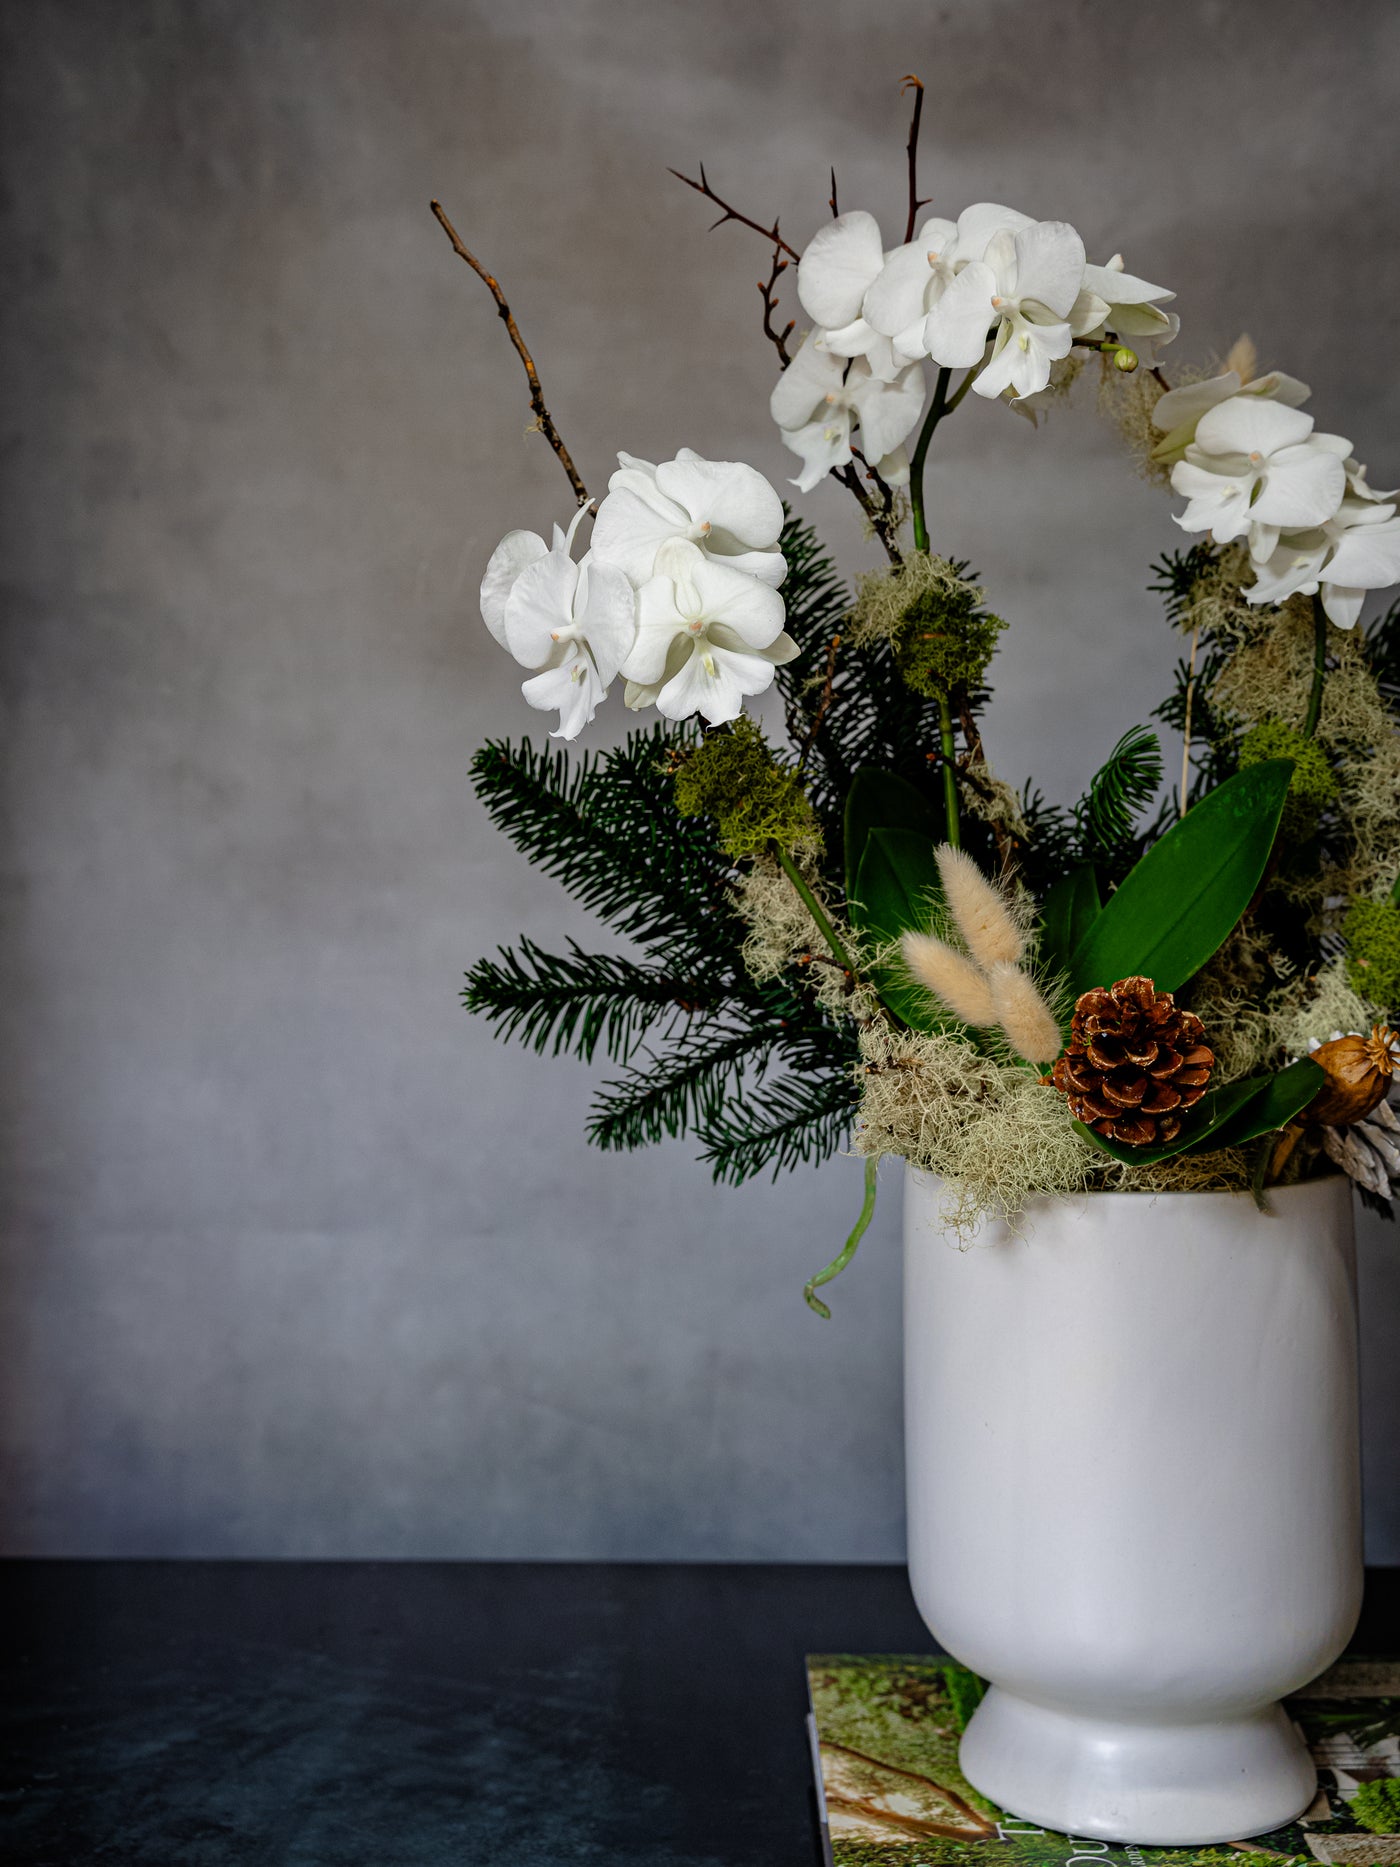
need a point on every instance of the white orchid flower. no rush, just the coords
(1177, 413)
(1111, 299)
(1356, 550)
(707, 637)
(575, 622)
(725, 508)
(1256, 469)
(818, 399)
(915, 276)
(1025, 287)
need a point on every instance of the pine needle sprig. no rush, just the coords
(593, 824)
(1124, 785)
(678, 1091)
(792, 1121)
(571, 1003)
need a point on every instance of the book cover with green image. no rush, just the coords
(885, 1730)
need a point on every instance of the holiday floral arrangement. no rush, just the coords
(848, 931)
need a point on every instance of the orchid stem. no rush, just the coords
(848, 1250)
(815, 909)
(950, 774)
(1319, 668)
(943, 404)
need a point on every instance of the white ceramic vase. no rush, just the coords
(1134, 1496)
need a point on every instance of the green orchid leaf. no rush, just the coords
(1276, 1101)
(898, 889)
(1071, 907)
(1186, 895)
(878, 800)
(1203, 1125)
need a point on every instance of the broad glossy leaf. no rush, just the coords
(1277, 1100)
(878, 800)
(1202, 1125)
(1181, 901)
(897, 888)
(1071, 907)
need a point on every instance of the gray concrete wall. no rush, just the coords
(297, 1261)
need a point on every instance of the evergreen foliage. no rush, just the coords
(758, 1072)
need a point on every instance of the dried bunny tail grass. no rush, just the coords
(989, 920)
(1030, 1025)
(951, 977)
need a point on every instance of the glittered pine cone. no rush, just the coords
(1135, 1063)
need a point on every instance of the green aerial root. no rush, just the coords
(848, 1250)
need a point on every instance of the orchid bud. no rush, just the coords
(1358, 1071)
(1125, 359)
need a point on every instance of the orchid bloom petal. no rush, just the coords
(1049, 265)
(908, 284)
(977, 224)
(813, 374)
(955, 331)
(820, 445)
(841, 262)
(889, 412)
(632, 525)
(1304, 486)
(1248, 424)
(609, 618)
(1368, 556)
(512, 554)
(714, 683)
(726, 496)
(574, 687)
(539, 610)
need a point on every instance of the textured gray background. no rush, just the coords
(298, 1261)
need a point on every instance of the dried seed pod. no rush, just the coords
(1359, 1070)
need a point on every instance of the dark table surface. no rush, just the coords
(401, 1714)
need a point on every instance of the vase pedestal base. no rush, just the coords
(1161, 1785)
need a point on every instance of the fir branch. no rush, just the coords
(1383, 654)
(676, 1092)
(571, 1002)
(793, 1121)
(1124, 784)
(596, 824)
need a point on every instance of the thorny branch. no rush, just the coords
(543, 419)
(907, 83)
(770, 304)
(732, 213)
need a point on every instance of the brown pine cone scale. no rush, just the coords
(1136, 1063)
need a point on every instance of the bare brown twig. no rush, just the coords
(832, 202)
(732, 213)
(828, 694)
(543, 419)
(907, 83)
(770, 304)
(880, 515)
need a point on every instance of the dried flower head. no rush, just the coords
(1358, 1071)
